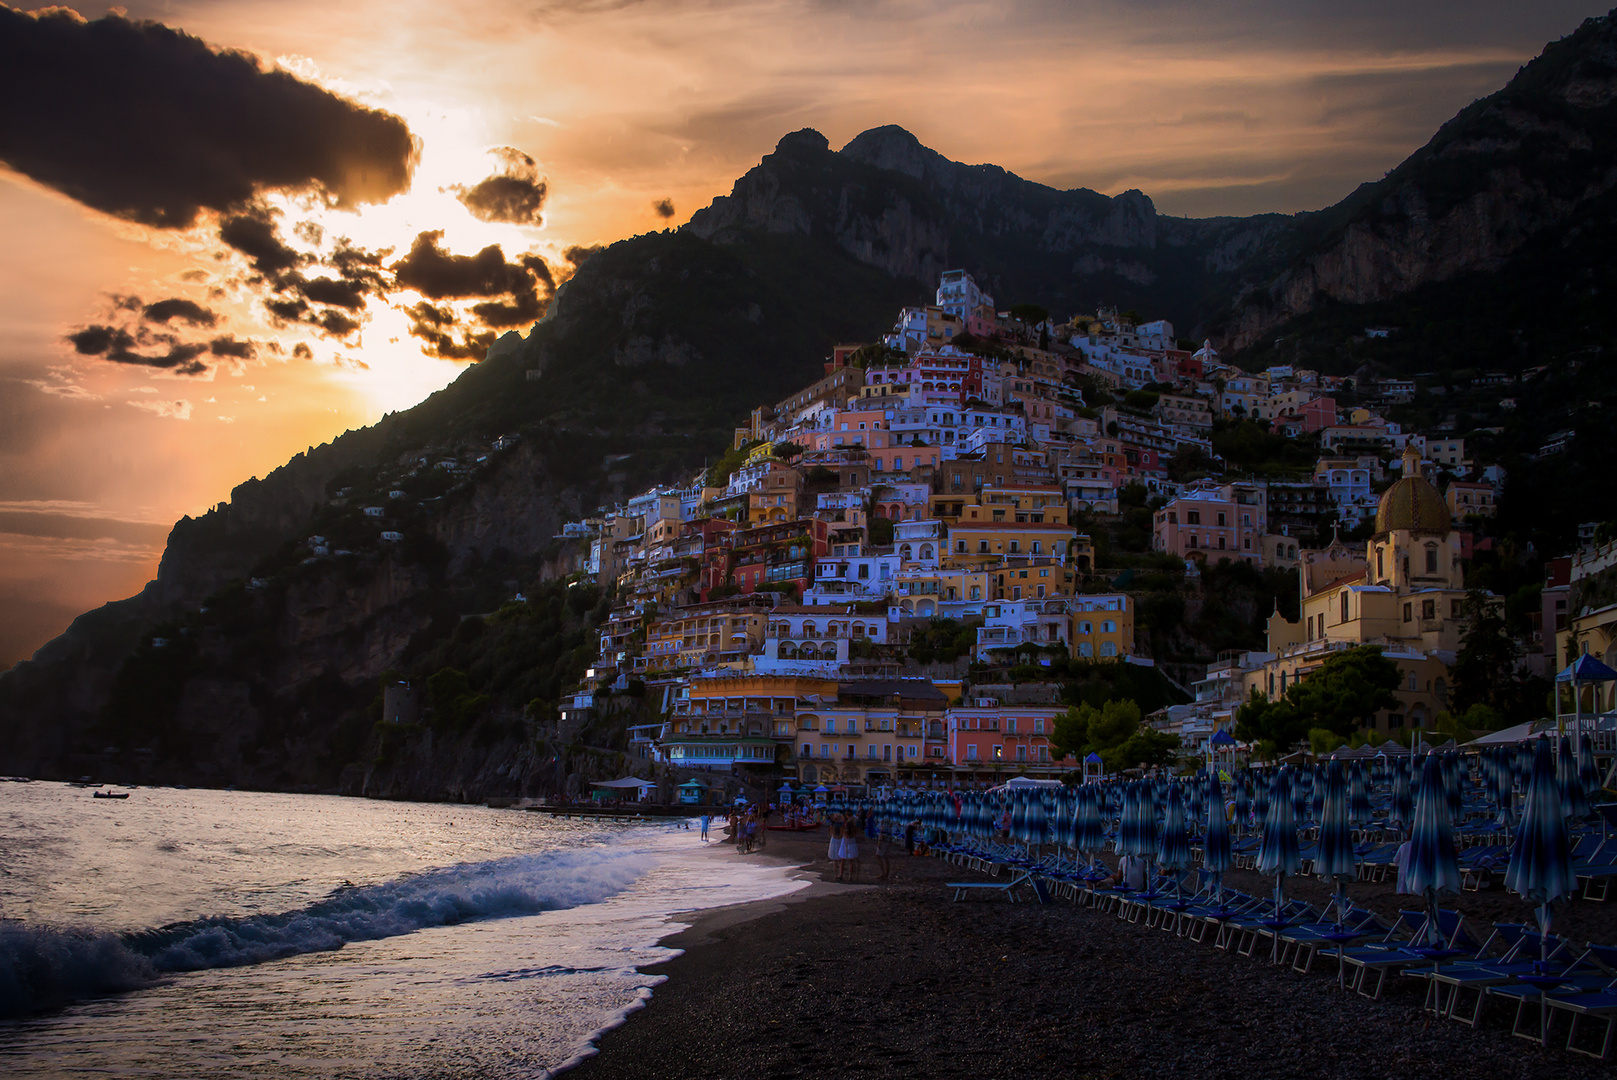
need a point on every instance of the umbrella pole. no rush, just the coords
(1274, 952)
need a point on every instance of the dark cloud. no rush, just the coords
(578, 254)
(664, 208)
(302, 351)
(335, 323)
(230, 347)
(256, 236)
(339, 293)
(187, 311)
(516, 194)
(150, 124)
(439, 275)
(118, 345)
(526, 309)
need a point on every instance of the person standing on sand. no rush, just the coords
(833, 849)
(763, 825)
(884, 843)
(705, 820)
(851, 833)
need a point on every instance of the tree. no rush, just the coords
(1485, 668)
(1347, 690)
(1339, 697)
(1113, 731)
(1275, 722)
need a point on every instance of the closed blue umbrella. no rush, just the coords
(1403, 802)
(1574, 801)
(1540, 869)
(1278, 852)
(1243, 803)
(1261, 786)
(1173, 852)
(1216, 854)
(1335, 857)
(1091, 830)
(1359, 811)
(1035, 824)
(1588, 771)
(1433, 864)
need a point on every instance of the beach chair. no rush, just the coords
(1522, 949)
(1397, 952)
(1300, 944)
(1598, 1004)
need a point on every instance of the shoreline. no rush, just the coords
(838, 978)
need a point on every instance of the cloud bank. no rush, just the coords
(151, 124)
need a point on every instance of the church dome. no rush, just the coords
(1412, 503)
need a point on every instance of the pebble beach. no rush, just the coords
(872, 979)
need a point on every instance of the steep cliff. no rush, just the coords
(1522, 163)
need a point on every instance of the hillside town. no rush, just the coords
(871, 585)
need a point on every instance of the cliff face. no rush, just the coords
(892, 204)
(1521, 163)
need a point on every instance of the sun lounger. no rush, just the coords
(1393, 955)
(1522, 949)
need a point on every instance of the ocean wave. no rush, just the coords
(42, 967)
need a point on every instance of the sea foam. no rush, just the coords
(42, 967)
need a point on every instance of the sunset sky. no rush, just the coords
(143, 372)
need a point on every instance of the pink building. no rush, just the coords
(986, 738)
(1213, 522)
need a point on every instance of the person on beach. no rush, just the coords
(762, 835)
(1131, 871)
(834, 847)
(1401, 860)
(910, 832)
(705, 820)
(884, 842)
(851, 833)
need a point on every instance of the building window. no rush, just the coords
(999, 753)
(1431, 558)
(971, 752)
(1193, 517)
(1021, 753)
(1414, 682)
(1409, 612)
(1344, 606)
(1454, 609)
(1428, 609)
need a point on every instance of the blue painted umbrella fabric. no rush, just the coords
(1173, 852)
(1433, 862)
(1335, 855)
(1540, 869)
(1574, 801)
(1279, 853)
(1216, 855)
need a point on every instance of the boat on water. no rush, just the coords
(109, 794)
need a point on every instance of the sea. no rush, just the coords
(195, 933)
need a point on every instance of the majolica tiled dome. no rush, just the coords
(1412, 503)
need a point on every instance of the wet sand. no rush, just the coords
(897, 978)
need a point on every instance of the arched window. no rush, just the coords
(808, 629)
(858, 629)
(926, 551)
(1086, 627)
(906, 552)
(1108, 648)
(1431, 558)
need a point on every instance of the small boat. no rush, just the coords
(109, 794)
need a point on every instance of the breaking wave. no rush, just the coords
(42, 967)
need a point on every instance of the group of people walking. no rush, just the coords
(847, 830)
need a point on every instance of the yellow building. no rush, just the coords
(1406, 594)
(1591, 632)
(868, 731)
(1102, 626)
(1011, 525)
(721, 721)
(717, 632)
